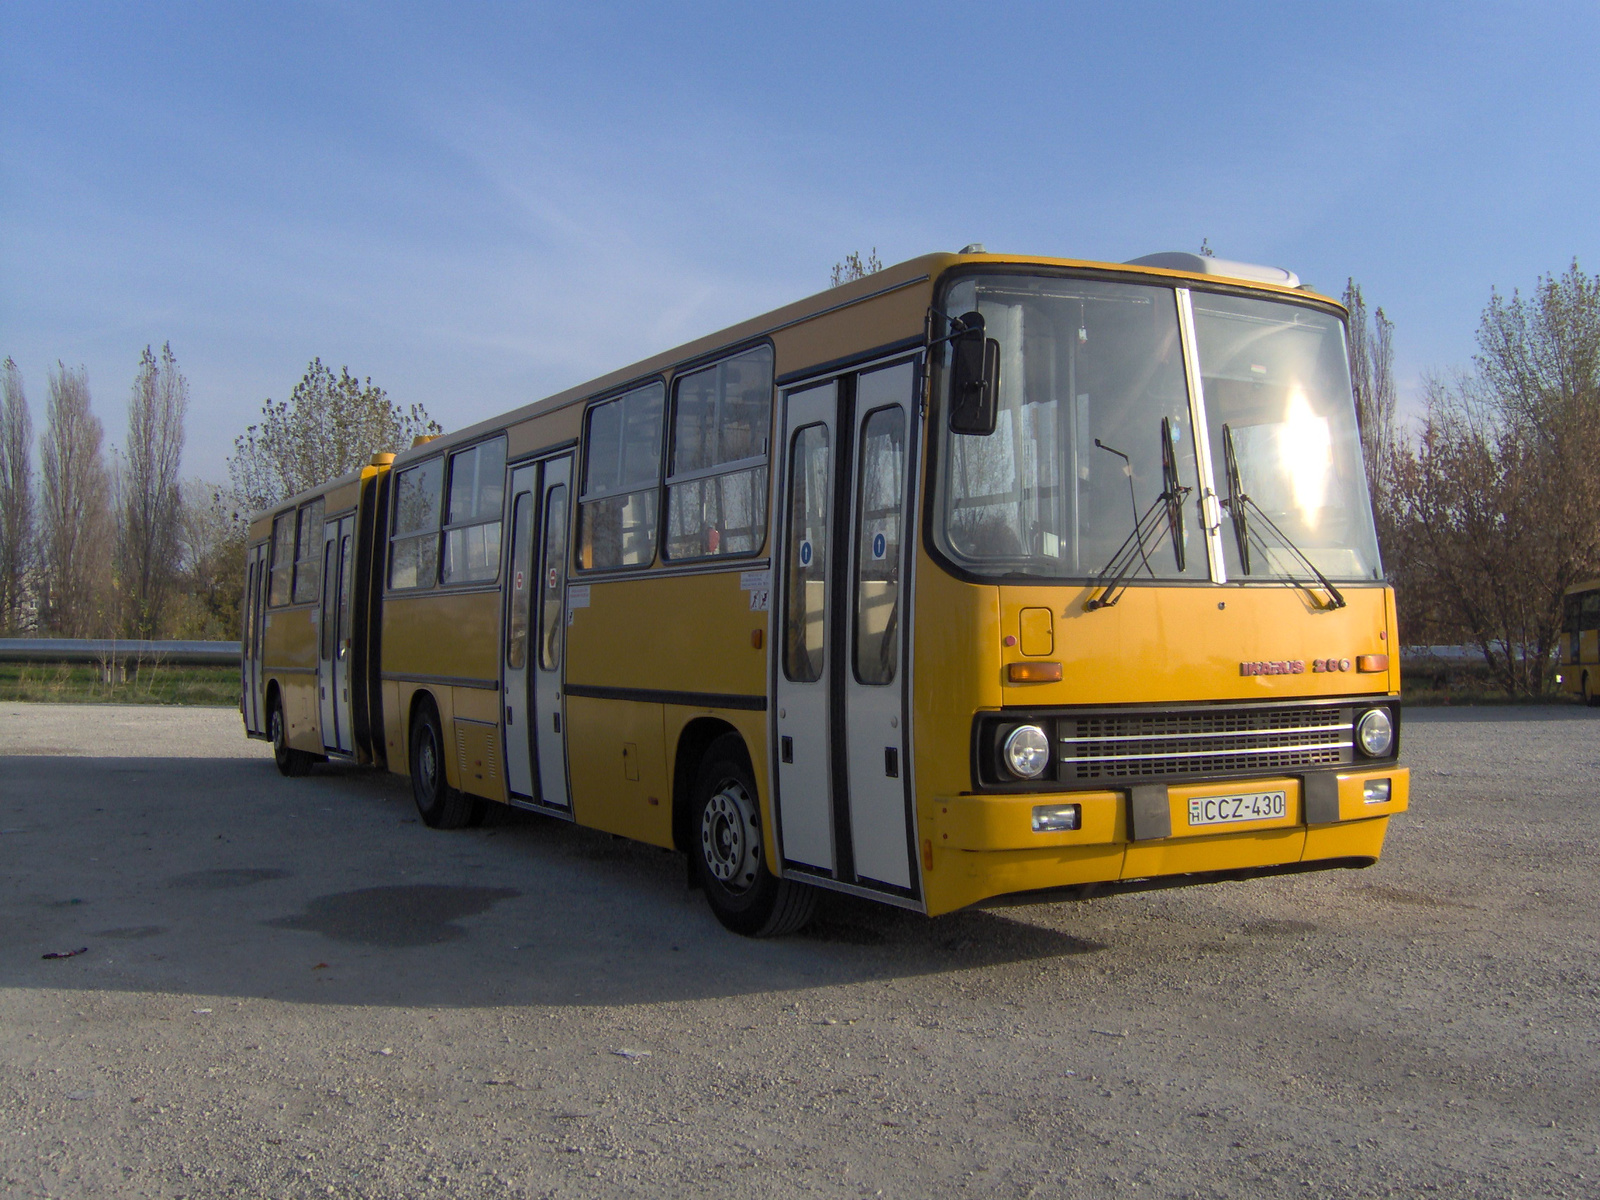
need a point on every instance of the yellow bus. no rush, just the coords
(982, 578)
(1579, 657)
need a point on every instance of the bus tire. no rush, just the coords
(440, 805)
(291, 762)
(728, 851)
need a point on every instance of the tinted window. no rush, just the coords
(717, 485)
(414, 554)
(308, 555)
(282, 559)
(477, 487)
(621, 480)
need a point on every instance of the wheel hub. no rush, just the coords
(730, 837)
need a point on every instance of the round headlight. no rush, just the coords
(1026, 752)
(1375, 732)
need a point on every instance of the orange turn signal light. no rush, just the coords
(1372, 662)
(1034, 672)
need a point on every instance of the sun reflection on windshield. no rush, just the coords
(1305, 447)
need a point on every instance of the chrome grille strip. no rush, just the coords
(1303, 748)
(1268, 731)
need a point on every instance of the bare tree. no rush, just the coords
(1372, 377)
(328, 427)
(75, 525)
(149, 497)
(1501, 492)
(213, 538)
(855, 267)
(16, 499)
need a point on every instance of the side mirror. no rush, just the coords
(974, 378)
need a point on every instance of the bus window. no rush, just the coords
(552, 606)
(521, 585)
(804, 639)
(308, 555)
(878, 507)
(717, 481)
(472, 528)
(621, 478)
(282, 559)
(414, 559)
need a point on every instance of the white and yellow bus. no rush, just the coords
(982, 577)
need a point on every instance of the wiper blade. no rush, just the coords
(1168, 506)
(1240, 505)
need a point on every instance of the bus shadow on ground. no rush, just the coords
(218, 877)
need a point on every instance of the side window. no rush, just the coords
(472, 526)
(308, 555)
(414, 545)
(806, 538)
(717, 480)
(282, 560)
(1590, 618)
(621, 480)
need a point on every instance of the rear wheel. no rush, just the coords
(440, 805)
(728, 850)
(290, 761)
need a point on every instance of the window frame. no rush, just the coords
(446, 527)
(759, 495)
(583, 497)
(309, 554)
(416, 534)
(292, 515)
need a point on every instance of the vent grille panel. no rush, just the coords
(1214, 741)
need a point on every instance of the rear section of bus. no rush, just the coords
(1153, 641)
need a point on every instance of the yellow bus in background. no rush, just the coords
(981, 577)
(1579, 656)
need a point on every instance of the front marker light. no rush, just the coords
(1026, 752)
(1053, 818)
(1375, 732)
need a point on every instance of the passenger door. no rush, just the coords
(333, 658)
(535, 634)
(842, 554)
(250, 638)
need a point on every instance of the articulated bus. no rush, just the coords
(1579, 653)
(983, 578)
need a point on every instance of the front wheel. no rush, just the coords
(729, 852)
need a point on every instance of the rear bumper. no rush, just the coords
(975, 848)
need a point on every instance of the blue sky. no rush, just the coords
(478, 205)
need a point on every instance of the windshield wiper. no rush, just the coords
(1239, 506)
(1168, 505)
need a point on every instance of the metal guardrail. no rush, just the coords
(119, 650)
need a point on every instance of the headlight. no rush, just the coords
(1026, 752)
(1375, 732)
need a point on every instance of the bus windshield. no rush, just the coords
(1088, 370)
(1094, 419)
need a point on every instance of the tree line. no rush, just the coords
(1487, 503)
(116, 542)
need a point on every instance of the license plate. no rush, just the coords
(1224, 810)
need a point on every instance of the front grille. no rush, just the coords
(1204, 741)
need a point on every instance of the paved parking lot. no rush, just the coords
(293, 988)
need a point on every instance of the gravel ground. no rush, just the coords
(292, 988)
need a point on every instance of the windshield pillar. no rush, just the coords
(1210, 508)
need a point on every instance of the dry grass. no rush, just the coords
(132, 682)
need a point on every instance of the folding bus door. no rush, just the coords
(250, 638)
(535, 633)
(522, 583)
(840, 701)
(333, 654)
